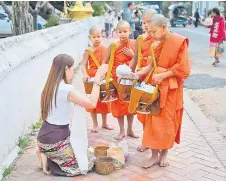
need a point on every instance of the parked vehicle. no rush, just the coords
(177, 15)
(5, 25)
(152, 6)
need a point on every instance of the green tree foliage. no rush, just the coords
(98, 8)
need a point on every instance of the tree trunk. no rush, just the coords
(22, 19)
(34, 13)
(6, 9)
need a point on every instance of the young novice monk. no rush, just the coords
(123, 55)
(143, 44)
(89, 68)
(173, 66)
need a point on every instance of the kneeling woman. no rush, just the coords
(57, 101)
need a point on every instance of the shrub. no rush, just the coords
(53, 21)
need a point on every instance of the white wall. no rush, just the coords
(24, 65)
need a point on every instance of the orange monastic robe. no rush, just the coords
(120, 108)
(162, 131)
(100, 53)
(145, 52)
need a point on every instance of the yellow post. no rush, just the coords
(65, 8)
(79, 12)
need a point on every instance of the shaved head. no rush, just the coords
(95, 29)
(123, 23)
(158, 20)
(148, 13)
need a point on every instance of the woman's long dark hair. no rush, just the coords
(56, 75)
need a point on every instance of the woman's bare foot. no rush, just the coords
(38, 153)
(163, 158)
(149, 163)
(141, 148)
(107, 127)
(120, 136)
(94, 129)
(132, 134)
(43, 161)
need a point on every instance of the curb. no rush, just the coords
(9, 160)
(208, 130)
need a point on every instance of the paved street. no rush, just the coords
(200, 156)
(193, 159)
(206, 85)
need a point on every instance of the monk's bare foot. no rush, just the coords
(163, 158)
(141, 148)
(131, 134)
(120, 136)
(94, 129)
(107, 127)
(149, 163)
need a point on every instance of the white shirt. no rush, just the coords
(62, 113)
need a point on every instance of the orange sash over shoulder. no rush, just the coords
(143, 47)
(95, 59)
(99, 54)
(120, 108)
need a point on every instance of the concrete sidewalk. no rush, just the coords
(201, 155)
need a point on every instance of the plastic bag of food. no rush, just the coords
(124, 145)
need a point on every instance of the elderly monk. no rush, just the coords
(171, 52)
(143, 45)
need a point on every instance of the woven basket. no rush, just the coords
(104, 165)
(100, 151)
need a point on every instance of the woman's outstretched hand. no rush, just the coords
(102, 70)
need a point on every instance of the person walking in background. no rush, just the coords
(197, 17)
(108, 23)
(217, 36)
(138, 27)
(128, 16)
(204, 14)
(114, 25)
